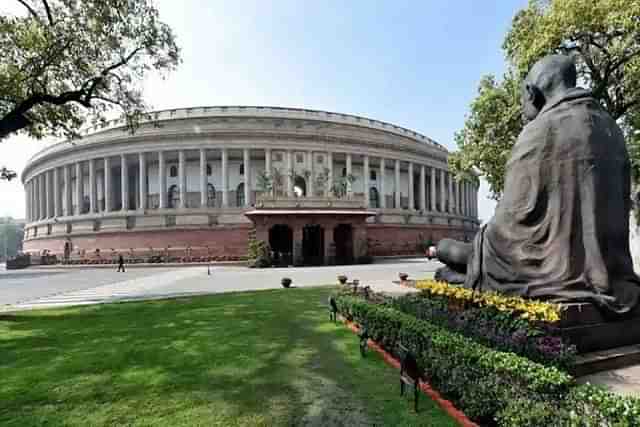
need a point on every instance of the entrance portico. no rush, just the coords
(318, 236)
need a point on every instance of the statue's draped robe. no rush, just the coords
(561, 230)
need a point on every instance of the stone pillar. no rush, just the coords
(434, 190)
(423, 189)
(328, 244)
(246, 158)
(297, 244)
(267, 161)
(142, 166)
(66, 197)
(162, 181)
(92, 186)
(312, 176)
(397, 185)
(349, 185)
(79, 189)
(107, 184)
(330, 174)
(182, 179)
(47, 194)
(412, 204)
(203, 178)
(225, 176)
(42, 195)
(56, 193)
(383, 196)
(443, 191)
(367, 184)
(37, 197)
(124, 181)
(450, 193)
(289, 173)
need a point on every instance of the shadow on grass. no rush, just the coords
(254, 358)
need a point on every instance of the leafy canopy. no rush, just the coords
(67, 62)
(603, 37)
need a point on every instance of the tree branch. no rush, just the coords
(30, 9)
(46, 7)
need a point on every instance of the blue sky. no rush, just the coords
(412, 63)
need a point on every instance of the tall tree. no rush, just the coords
(603, 37)
(68, 62)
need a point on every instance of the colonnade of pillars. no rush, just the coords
(49, 193)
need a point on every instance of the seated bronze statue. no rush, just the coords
(561, 229)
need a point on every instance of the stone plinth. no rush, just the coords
(586, 327)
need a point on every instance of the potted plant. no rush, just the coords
(286, 282)
(342, 279)
(403, 276)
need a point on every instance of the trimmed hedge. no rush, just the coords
(501, 330)
(490, 386)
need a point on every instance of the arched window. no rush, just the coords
(211, 196)
(240, 195)
(173, 171)
(374, 198)
(174, 196)
(208, 170)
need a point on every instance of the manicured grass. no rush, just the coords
(246, 359)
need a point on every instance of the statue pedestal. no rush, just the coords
(585, 326)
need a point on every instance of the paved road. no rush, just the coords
(50, 287)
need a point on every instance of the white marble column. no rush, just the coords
(56, 193)
(398, 200)
(312, 176)
(47, 193)
(412, 204)
(289, 173)
(225, 178)
(107, 184)
(79, 189)
(434, 189)
(182, 179)
(66, 196)
(366, 177)
(92, 186)
(349, 173)
(450, 195)
(162, 181)
(39, 197)
(423, 189)
(203, 178)
(383, 197)
(267, 161)
(142, 166)
(246, 158)
(43, 196)
(443, 191)
(124, 181)
(329, 174)
(27, 194)
(34, 199)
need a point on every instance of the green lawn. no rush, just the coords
(245, 359)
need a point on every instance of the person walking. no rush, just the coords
(120, 263)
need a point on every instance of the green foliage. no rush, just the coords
(258, 252)
(603, 37)
(66, 62)
(491, 386)
(480, 380)
(11, 235)
(264, 182)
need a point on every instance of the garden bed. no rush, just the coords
(492, 387)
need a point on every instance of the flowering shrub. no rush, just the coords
(490, 386)
(488, 325)
(523, 308)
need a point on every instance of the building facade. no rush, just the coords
(320, 187)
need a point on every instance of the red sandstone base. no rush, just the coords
(222, 243)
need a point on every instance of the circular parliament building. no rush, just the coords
(194, 184)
